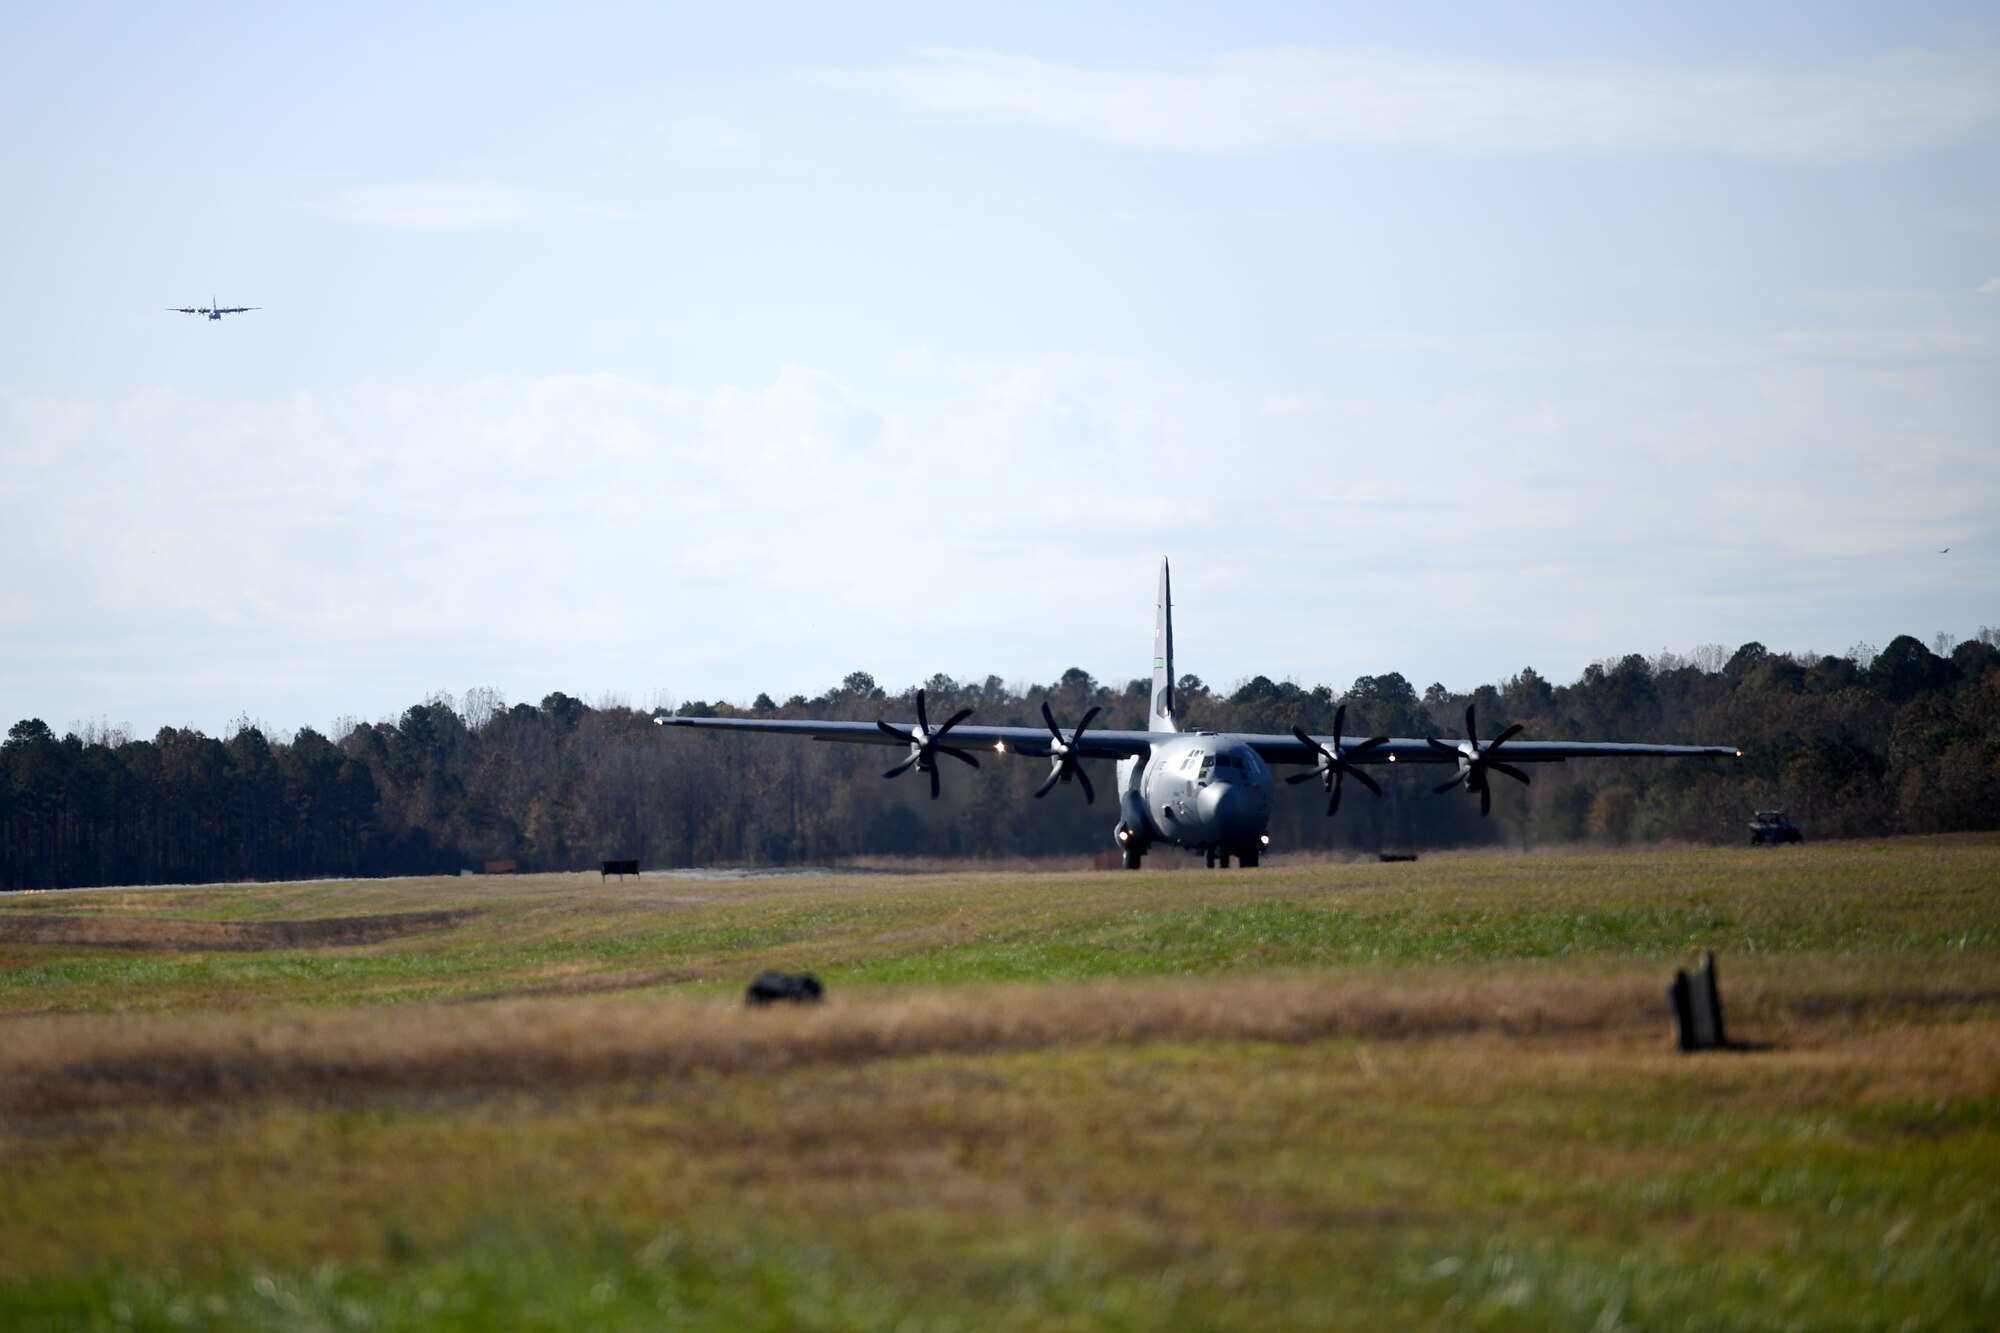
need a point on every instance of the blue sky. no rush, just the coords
(632, 350)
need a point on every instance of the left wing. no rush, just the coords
(236, 309)
(1405, 750)
(1334, 757)
(999, 740)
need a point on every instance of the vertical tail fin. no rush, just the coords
(1162, 716)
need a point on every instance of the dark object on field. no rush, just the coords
(1399, 856)
(797, 987)
(1770, 828)
(1697, 1006)
(618, 868)
(500, 867)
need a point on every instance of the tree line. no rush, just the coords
(1905, 740)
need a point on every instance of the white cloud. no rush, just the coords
(445, 206)
(323, 554)
(1286, 96)
(1990, 287)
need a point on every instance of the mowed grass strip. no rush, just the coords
(547, 934)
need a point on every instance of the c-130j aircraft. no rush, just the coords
(1205, 791)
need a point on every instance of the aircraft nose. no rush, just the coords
(1230, 811)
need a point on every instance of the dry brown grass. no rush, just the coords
(60, 1065)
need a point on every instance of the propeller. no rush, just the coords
(1065, 754)
(1336, 763)
(924, 744)
(1475, 761)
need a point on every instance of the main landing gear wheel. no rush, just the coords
(1248, 860)
(1133, 856)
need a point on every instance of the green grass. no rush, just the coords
(1841, 1173)
(950, 929)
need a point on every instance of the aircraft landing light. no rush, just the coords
(1000, 747)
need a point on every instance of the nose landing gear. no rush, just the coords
(1217, 858)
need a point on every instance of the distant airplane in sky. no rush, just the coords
(212, 310)
(1205, 791)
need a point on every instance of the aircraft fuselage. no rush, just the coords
(1199, 790)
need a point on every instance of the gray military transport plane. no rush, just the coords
(213, 310)
(1205, 791)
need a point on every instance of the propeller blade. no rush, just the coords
(957, 753)
(897, 732)
(1510, 771)
(934, 782)
(1437, 744)
(1066, 751)
(1471, 728)
(954, 720)
(1444, 787)
(1307, 776)
(901, 768)
(1336, 763)
(923, 719)
(1504, 737)
(1485, 799)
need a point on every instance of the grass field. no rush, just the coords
(1434, 1094)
